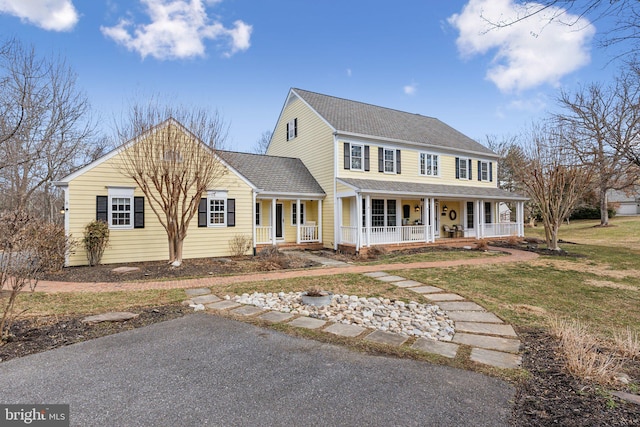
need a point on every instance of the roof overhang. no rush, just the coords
(414, 189)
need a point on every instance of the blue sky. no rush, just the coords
(241, 57)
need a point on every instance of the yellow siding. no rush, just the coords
(150, 243)
(314, 146)
(410, 168)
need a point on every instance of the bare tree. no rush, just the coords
(44, 123)
(623, 15)
(604, 123)
(172, 164)
(551, 175)
(262, 143)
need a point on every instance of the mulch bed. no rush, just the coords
(198, 267)
(34, 335)
(551, 396)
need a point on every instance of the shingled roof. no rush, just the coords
(352, 117)
(423, 189)
(273, 174)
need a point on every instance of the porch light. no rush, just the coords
(445, 208)
(62, 211)
(417, 208)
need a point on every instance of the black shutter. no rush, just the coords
(287, 140)
(380, 159)
(398, 162)
(202, 213)
(469, 169)
(138, 212)
(479, 170)
(231, 212)
(295, 127)
(457, 168)
(366, 158)
(490, 171)
(347, 155)
(102, 208)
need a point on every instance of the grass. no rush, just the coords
(600, 289)
(38, 304)
(437, 255)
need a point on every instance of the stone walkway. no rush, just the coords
(492, 341)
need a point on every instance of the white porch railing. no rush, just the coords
(500, 229)
(348, 235)
(385, 235)
(308, 233)
(263, 234)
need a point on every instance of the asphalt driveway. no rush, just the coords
(206, 370)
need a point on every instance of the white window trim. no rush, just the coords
(433, 156)
(303, 210)
(291, 127)
(483, 164)
(361, 168)
(384, 160)
(216, 195)
(120, 193)
(465, 161)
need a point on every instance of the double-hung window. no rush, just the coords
(484, 171)
(120, 213)
(463, 168)
(356, 157)
(429, 164)
(294, 211)
(389, 161)
(292, 129)
(216, 208)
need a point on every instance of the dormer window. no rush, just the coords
(292, 129)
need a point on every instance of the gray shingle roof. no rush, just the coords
(365, 119)
(273, 174)
(434, 190)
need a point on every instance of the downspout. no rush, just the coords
(253, 221)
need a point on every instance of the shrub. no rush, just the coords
(240, 244)
(589, 212)
(95, 241)
(53, 244)
(482, 245)
(582, 352)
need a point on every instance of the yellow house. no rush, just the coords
(338, 174)
(392, 177)
(250, 191)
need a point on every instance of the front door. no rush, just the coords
(279, 221)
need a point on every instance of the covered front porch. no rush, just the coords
(380, 213)
(285, 220)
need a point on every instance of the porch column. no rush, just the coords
(431, 223)
(253, 221)
(358, 222)
(273, 221)
(320, 220)
(520, 218)
(367, 216)
(298, 221)
(338, 220)
(478, 219)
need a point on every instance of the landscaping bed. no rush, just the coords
(197, 267)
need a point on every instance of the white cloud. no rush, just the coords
(54, 15)
(410, 89)
(178, 29)
(535, 51)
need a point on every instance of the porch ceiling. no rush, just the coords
(429, 190)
